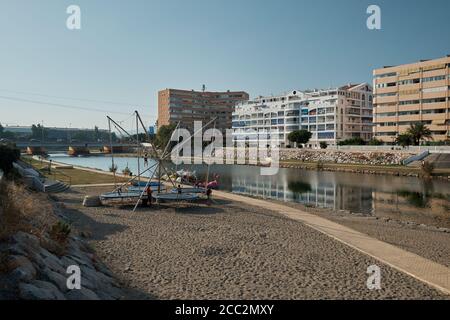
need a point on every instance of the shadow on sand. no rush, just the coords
(98, 230)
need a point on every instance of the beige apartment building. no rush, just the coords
(187, 106)
(411, 93)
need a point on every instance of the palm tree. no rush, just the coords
(418, 132)
(403, 140)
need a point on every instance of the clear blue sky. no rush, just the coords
(128, 50)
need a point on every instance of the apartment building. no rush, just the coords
(187, 106)
(412, 93)
(331, 115)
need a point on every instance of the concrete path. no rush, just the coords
(93, 185)
(434, 274)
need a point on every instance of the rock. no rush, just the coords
(39, 291)
(49, 286)
(23, 268)
(92, 201)
(57, 279)
(53, 263)
(27, 240)
(82, 294)
(93, 279)
(16, 249)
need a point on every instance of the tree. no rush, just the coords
(418, 132)
(8, 155)
(96, 133)
(1, 129)
(403, 140)
(300, 136)
(164, 135)
(37, 132)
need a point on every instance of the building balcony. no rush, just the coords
(391, 99)
(437, 105)
(380, 129)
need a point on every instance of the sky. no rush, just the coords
(126, 51)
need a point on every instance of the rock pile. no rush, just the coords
(38, 274)
(340, 157)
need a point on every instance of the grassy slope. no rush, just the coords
(76, 176)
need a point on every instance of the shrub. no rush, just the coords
(60, 232)
(323, 145)
(375, 142)
(356, 141)
(126, 171)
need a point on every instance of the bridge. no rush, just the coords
(64, 146)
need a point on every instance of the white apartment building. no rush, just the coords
(331, 115)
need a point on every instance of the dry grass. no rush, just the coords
(74, 176)
(22, 210)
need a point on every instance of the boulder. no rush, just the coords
(27, 240)
(92, 201)
(39, 290)
(23, 269)
(57, 279)
(82, 294)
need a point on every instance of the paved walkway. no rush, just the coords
(93, 185)
(434, 274)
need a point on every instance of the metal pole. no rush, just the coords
(112, 153)
(138, 154)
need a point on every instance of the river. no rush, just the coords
(403, 198)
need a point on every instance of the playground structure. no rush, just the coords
(142, 188)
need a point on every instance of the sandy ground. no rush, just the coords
(425, 241)
(229, 251)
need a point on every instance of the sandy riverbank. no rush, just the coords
(409, 233)
(229, 251)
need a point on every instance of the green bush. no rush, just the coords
(356, 141)
(60, 232)
(375, 142)
(126, 171)
(323, 145)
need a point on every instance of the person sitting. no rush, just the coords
(149, 196)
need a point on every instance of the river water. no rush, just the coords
(403, 198)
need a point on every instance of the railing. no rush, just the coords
(60, 176)
(31, 177)
(417, 157)
(52, 173)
